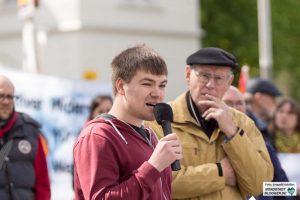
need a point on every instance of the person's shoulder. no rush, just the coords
(179, 100)
(102, 126)
(240, 117)
(261, 125)
(27, 119)
(180, 108)
(97, 125)
(100, 130)
(96, 128)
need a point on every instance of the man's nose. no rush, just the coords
(6, 100)
(157, 92)
(210, 82)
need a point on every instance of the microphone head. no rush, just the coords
(163, 112)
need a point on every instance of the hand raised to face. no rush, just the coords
(218, 110)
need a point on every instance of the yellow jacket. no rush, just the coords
(198, 177)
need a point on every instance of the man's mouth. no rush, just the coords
(151, 104)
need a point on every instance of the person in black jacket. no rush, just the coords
(23, 172)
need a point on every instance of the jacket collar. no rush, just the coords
(7, 127)
(182, 117)
(180, 107)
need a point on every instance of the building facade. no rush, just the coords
(80, 37)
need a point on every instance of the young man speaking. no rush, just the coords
(115, 156)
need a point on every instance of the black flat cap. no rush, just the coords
(212, 56)
(263, 86)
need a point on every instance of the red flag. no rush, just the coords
(244, 76)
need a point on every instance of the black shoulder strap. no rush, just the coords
(5, 151)
(105, 116)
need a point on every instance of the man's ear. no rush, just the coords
(257, 95)
(120, 87)
(187, 73)
(231, 80)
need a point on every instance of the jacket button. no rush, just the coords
(11, 185)
(6, 159)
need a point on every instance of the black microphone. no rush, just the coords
(164, 116)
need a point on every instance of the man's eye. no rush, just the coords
(229, 103)
(206, 76)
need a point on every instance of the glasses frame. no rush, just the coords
(9, 97)
(206, 77)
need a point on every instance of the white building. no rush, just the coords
(76, 36)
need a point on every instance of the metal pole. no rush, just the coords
(29, 51)
(29, 47)
(265, 39)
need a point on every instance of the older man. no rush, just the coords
(23, 171)
(224, 154)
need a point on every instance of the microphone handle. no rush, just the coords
(175, 165)
(167, 129)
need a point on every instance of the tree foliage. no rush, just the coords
(232, 25)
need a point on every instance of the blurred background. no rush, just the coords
(66, 46)
(77, 39)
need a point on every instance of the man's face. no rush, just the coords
(235, 99)
(141, 94)
(6, 99)
(266, 105)
(212, 80)
(285, 118)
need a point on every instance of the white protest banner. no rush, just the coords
(61, 107)
(290, 164)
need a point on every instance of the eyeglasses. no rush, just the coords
(8, 97)
(206, 77)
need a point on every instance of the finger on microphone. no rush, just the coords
(170, 136)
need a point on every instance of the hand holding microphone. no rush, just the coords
(168, 149)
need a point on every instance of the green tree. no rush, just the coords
(232, 25)
(285, 18)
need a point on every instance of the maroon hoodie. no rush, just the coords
(110, 162)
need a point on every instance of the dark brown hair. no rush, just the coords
(127, 63)
(96, 102)
(295, 109)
